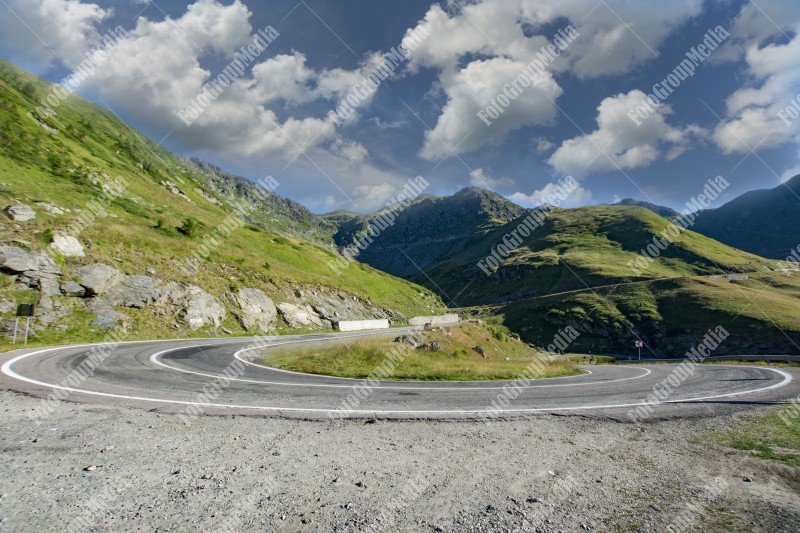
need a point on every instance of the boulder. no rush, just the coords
(20, 212)
(134, 291)
(433, 346)
(73, 289)
(257, 310)
(34, 270)
(196, 308)
(99, 278)
(50, 208)
(67, 245)
(297, 317)
(16, 259)
(408, 340)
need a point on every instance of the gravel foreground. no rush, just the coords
(94, 468)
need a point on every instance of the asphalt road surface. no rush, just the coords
(221, 376)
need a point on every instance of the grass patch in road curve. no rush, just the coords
(505, 357)
(774, 436)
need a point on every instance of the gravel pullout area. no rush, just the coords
(95, 468)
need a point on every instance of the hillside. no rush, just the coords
(175, 261)
(764, 222)
(573, 249)
(573, 271)
(660, 210)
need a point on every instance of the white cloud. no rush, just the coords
(578, 197)
(614, 37)
(479, 178)
(752, 112)
(39, 33)
(542, 145)
(618, 142)
(353, 151)
(459, 129)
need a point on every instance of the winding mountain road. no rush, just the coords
(217, 376)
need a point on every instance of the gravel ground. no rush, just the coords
(97, 468)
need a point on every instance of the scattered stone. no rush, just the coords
(481, 351)
(361, 484)
(433, 346)
(67, 245)
(226, 331)
(20, 212)
(50, 208)
(408, 340)
(90, 468)
(747, 479)
(257, 310)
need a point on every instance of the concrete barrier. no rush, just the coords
(435, 320)
(358, 325)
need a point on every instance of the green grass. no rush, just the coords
(150, 227)
(505, 359)
(774, 436)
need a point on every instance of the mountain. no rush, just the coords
(660, 210)
(156, 245)
(439, 242)
(573, 270)
(432, 227)
(764, 222)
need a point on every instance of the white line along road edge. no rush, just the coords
(8, 371)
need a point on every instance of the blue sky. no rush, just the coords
(574, 120)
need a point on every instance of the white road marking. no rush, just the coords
(7, 370)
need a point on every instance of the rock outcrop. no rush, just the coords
(98, 278)
(195, 307)
(34, 270)
(257, 310)
(297, 317)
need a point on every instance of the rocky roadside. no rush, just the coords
(106, 292)
(120, 469)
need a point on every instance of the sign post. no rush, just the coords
(639, 345)
(24, 310)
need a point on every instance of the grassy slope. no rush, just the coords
(576, 248)
(506, 357)
(36, 165)
(671, 315)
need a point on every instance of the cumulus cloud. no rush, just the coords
(753, 112)
(39, 33)
(498, 38)
(578, 197)
(619, 143)
(460, 129)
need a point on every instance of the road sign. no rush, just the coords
(25, 309)
(639, 344)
